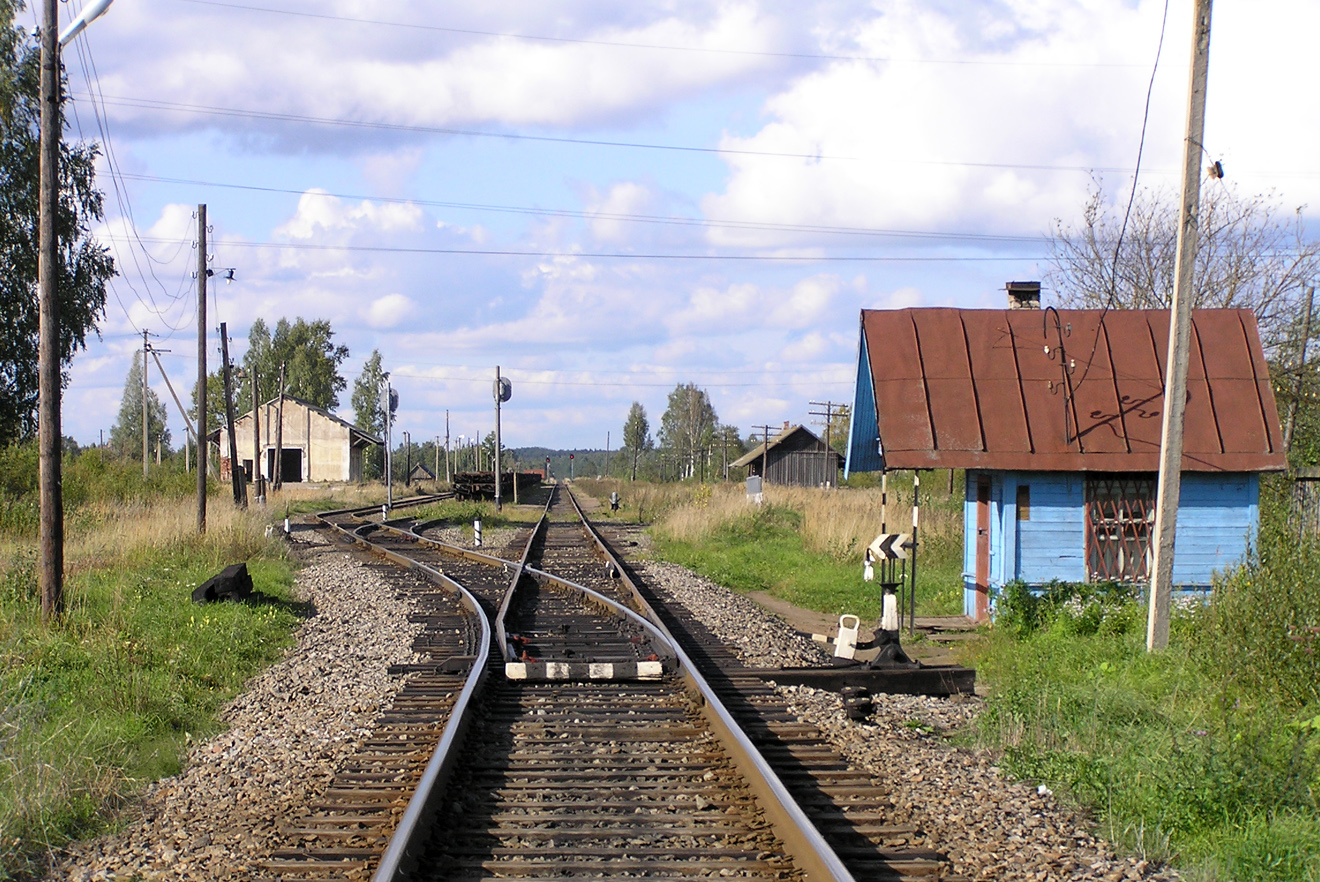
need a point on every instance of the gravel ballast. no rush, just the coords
(991, 827)
(288, 732)
(299, 720)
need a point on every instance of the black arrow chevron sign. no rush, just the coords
(891, 546)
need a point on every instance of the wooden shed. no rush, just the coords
(796, 458)
(1056, 417)
(316, 444)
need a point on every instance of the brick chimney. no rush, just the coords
(1023, 295)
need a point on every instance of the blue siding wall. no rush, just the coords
(864, 436)
(1218, 516)
(1052, 545)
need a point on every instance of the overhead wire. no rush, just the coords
(605, 255)
(677, 220)
(598, 383)
(627, 44)
(91, 77)
(1132, 195)
(275, 116)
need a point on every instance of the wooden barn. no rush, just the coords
(1056, 417)
(316, 444)
(796, 458)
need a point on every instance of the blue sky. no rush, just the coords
(772, 169)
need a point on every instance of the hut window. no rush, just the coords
(1024, 502)
(1120, 519)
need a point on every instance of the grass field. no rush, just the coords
(803, 545)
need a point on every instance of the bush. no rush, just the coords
(1076, 608)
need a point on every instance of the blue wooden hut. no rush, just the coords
(1056, 416)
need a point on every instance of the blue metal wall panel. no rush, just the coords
(1218, 516)
(1052, 545)
(864, 434)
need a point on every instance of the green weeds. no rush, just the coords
(106, 698)
(1206, 754)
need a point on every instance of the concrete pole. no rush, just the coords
(1180, 330)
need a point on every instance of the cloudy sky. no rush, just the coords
(606, 199)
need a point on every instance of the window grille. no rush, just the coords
(1120, 520)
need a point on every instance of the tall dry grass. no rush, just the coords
(110, 531)
(837, 522)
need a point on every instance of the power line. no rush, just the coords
(592, 383)
(677, 220)
(270, 115)
(605, 255)
(654, 46)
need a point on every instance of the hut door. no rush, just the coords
(982, 548)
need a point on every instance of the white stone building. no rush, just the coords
(317, 445)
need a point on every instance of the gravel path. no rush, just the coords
(992, 827)
(288, 733)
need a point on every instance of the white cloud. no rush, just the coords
(376, 74)
(908, 145)
(388, 311)
(626, 198)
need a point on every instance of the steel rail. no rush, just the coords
(803, 842)
(806, 845)
(399, 853)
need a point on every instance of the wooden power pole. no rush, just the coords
(49, 439)
(1301, 368)
(277, 480)
(1180, 324)
(256, 439)
(235, 472)
(201, 369)
(146, 347)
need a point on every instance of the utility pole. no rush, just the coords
(407, 469)
(48, 353)
(449, 477)
(389, 479)
(495, 464)
(201, 369)
(278, 481)
(765, 453)
(437, 457)
(1180, 321)
(828, 413)
(146, 347)
(187, 423)
(1301, 365)
(256, 438)
(235, 474)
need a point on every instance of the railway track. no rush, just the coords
(556, 731)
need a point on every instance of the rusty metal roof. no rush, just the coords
(986, 388)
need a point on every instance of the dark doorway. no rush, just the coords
(290, 464)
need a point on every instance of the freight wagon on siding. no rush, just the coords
(1056, 417)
